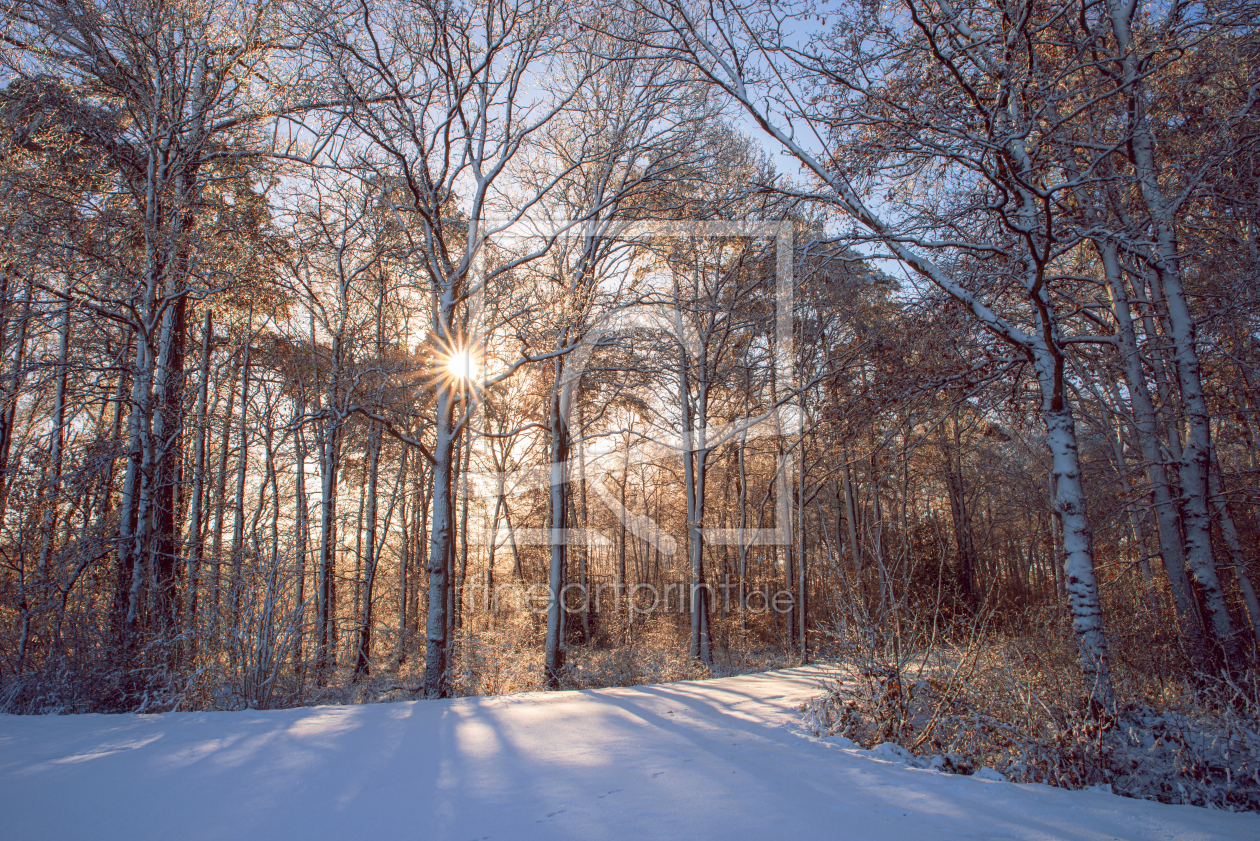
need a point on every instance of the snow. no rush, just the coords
(714, 759)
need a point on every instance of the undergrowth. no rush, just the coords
(1013, 705)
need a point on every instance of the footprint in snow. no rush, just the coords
(552, 815)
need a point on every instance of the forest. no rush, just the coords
(364, 350)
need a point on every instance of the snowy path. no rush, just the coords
(715, 759)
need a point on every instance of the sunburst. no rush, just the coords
(461, 366)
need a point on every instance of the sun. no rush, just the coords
(461, 365)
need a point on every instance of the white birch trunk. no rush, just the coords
(1195, 464)
(1167, 518)
(1078, 557)
(441, 532)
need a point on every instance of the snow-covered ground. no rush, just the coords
(715, 759)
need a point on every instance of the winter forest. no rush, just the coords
(371, 350)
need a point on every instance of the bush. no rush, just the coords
(994, 705)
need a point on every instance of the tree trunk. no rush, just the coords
(196, 543)
(695, 464)
(558, 500)
(220, 501)
(362, 659)
(1078, 551)
(1237, 555)
(168, 468)
(1195, 466)
(302, 535)
(242, 465)
(441, 529)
